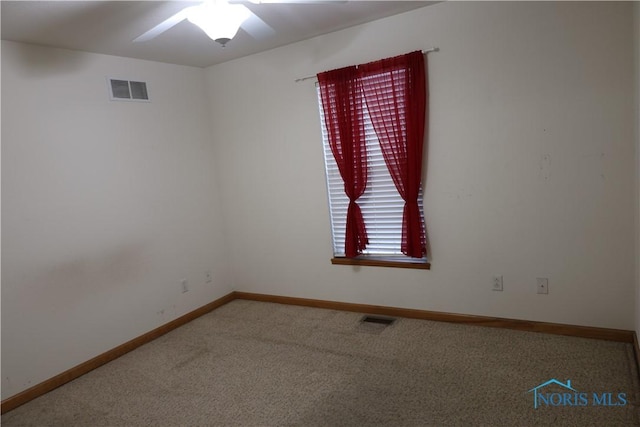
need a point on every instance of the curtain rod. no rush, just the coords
(301, 79)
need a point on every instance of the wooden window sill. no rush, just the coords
(379, 262)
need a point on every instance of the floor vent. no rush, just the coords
(378, 320)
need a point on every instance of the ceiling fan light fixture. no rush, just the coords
(219, 19)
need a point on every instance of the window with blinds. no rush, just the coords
(381, 204)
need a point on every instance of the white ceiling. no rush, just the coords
(108, 27)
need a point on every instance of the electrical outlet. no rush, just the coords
(542, 285)
(497, 283)
(185, 285)
(207, 275)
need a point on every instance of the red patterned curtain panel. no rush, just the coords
(395, 90)
(343, 107)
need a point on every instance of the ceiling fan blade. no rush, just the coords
(163, 26)
(257, 28)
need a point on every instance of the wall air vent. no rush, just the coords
(127, 90)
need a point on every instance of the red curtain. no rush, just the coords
(395, 90)
(343, 106)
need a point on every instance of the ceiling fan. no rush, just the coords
(221, 19)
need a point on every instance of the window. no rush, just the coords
(373, 126)
(381, 204)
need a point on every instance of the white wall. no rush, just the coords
(530, 170)
(106, 206)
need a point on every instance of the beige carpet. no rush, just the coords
(260, 364)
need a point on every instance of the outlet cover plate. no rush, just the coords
(497, 283)
(542, 285)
